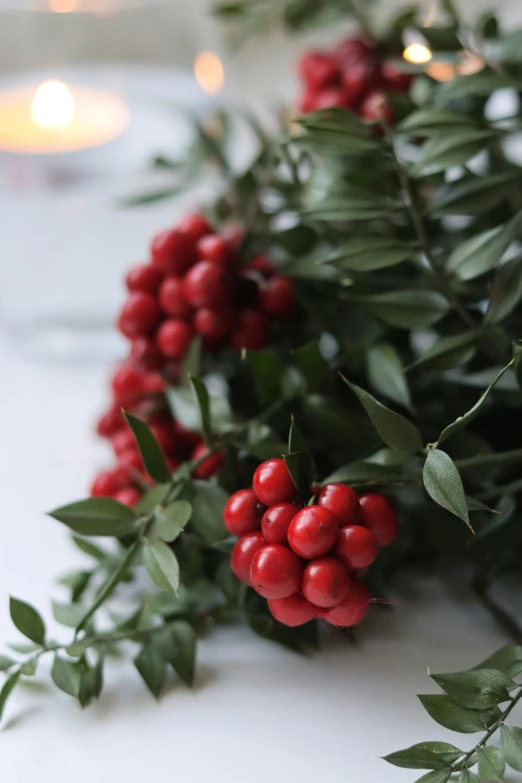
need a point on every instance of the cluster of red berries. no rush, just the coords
(194, 285)
(353, 77)
(307, 561)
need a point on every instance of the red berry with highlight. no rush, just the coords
(109, 482)
(145, 352)
(172, 298)
(243, 553)
(375, 108)
(213, 248)
(313, 532)
(356, 546)
(326, 581)
(353, 607)
(276, 521)
(329, 98)
(276, 572)
(110, 423)
(172, 251)
(272, 482)
(293, 610)
(123, 441)
(378, 514)
(213, 324)
(131, 461)
(128, 496)
(145, 278)
(341, 500)
(206, 285)
(210, 466)
(174, 338)
(242, 513)
(251, 330)
(194, 226)
(317, 69)
(139, 315)
(277, 296)
(127, 386)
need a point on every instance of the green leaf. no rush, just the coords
(153, 458)
(386, 374)
(335, 131)
(483, 82)
(466, 776)
(28, 669)
(451, 149)
(171, 521)
(297, 441)
(153, 498)
(208, 501)
(88, 548)
(479, 689)
(433, 121)
(27, 620)
(162, 565)
(506, 291)
(366, 254)
(396, 431)
(7, 689)
(91, 683)
(183, 658)
(491, 764)
(68, 614)
(448, 352)
(347, 204)
(152, 669)
(268, 369)
(203, 400)
(299, 466)
(97, 517)
(464, 420)
(407, 309)
(66, 675)
(473, 195)
(452, 716)
(511, 742)
(437, 776)
(312, 365)
(361, 472)
(444, 484)
(425, 755)
(507, 660)
(6, 663)
(482, 252)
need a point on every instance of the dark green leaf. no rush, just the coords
(7, 689)
(28, 669)
(66, 675)
(443, 37)
(474, 195)
(153, 458)
(476, 505)
(511, 741)
(208, 501)
(97, 517)
(437, 776)
(183, 659)
(153, 498)
(203, 400)
(448, 352)
(466, 776)
(191, 364)
(171, 521)
(296, 240)
(491, 764)
(451, 149)
(396, 431)
(311, 363)
(27, 620)
(268, 369)
(407, 309)
(444, 484)
(478, 690)
(362, 473)
(506, 291)
(299, 466)
(68, 614)
(483, 82)
(91, 682)
(366, 254)
(507, 660)
(152, 669)
(6, 663)
(425, 755)
(162, 565)
(88, 548)
(452, 716)
(433, 121)
(386, 374)
(483, 251)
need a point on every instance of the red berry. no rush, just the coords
(272, 482)
(329, 98)
(213, 324)
(166, 437)
(130, 460)
(154, 383)
(376, 108)
(293, 610)
(313, 531)
(378, 514)
(128, 496)
(210, 466)
(353, 50)
(206, 285)
(127, 386)
(317, 69)
(194, 226)
(145, 278)
(352, 609)
(395, 79)
(242, 555)
(326, 581)
(260, 264)
(172, 251)
(275, 572)
(123, 441)
(276, 521)
(341, 500)
(145, 353)
(213, 248)
(139, 316)
(233, 237)
(242, 513)
(277, 296)
(356, 546)
(174, 338)
(359, 78)
(108, 482)
(308, 101)
(172, 299)
(251, 330)
(110, 423)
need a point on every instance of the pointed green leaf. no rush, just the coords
(183, 657)
(481, 253)
(88, 548)
(68, 614)
(466, 776)
(6, 663)
(396, 431)
(452, 716)
(483, 82)
(7, 689)
(97, 517)
(162, 565)
(479, 689)
(299, 466)
(27, 620)
(454, 148)
(153, 498)
(362, 472)
(434, 121)
(448, 352)
(28, 669)
(444, 484)
(208, 501)
(437, 776)
(191, 364)
(268, 369)
(152, 669)
(66, 675)
(506, 291)
(171, 521)
(153, 458)
(507, 660)
(386, 374)
(366, 254)
(407, 309)
(473, 195)
(511, 742)
(491, 764)
(203, 400)
(311, 363)
(425, 755)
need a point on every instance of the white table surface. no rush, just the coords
(257, 713)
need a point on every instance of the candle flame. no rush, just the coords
(417, 53)
(52, 107)
(209, 73)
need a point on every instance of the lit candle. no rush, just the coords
(53, 118)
